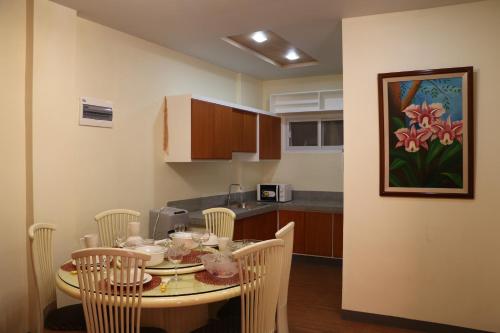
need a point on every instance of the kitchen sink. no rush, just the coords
(246, 205)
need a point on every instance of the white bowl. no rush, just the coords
(219, 265)
(157, 253)
(183, 238)
(134, 241)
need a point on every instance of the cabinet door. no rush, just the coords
(210, 131)
(318, 233)
(269, 137)
(285, 217)
(202, 138)
(249, 132)
(261, 227)
(222, 133)
(268, 226)
(238, 232)
(244, 131)
(338, 235)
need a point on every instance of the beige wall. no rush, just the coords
(427, 259)
(249, 91)
(316, 171)
(13, 276)
(79, 171)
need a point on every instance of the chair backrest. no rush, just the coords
(110, 304)
(260, 272)
(40, 235)
(286, 234)
(220, 221)
(111, 223)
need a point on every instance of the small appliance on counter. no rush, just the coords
(274, 192)
(162, 220)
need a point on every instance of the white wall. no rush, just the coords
(315, 171)
(427, 259)
(80, 171)
(13, 276)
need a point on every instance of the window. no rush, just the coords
(303, 134)
(332, 133)
(314, 135)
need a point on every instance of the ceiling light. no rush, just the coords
(259, 37)
(292, 55)
(272, 48)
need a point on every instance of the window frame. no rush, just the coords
(311, 149)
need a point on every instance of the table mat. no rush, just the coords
(193, 257)
(68, 267)
(206, 277)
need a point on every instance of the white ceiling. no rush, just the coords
(195, 27)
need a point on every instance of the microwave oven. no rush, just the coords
(274, 192)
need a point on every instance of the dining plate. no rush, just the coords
(167, 268)
(147, 278)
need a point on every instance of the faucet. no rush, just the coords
(229, 193)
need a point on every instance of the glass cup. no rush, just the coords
(175, 253)
(180, 228)
(205, 236)
(119, 238)
(196, 237)
(225, 244)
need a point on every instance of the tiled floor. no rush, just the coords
(315, 298)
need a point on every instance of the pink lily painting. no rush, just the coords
(426, 146)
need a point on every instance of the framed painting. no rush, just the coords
(427, 133)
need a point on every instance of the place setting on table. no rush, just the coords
(186, 263)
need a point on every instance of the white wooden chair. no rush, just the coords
(220, 221)
(286, 234)
(111, 307)
(260, 267)
(111, 223)
(69, 318)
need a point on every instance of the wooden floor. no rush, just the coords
(314, 301)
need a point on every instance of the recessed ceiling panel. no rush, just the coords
(272, 48)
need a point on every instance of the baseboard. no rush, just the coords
(317, 259)
(424, 326)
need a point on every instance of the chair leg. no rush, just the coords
(282, 320)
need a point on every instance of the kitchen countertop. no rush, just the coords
(314, 201)
(325, 206)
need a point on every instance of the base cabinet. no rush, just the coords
(316, 233)
(260, 227)
(285, 217)
(338, 235)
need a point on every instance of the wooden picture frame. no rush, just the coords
(426, 136)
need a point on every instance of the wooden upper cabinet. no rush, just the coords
(201, 128)
(210, 131)
(269, 137)
(244, 131)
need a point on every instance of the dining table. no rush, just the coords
(176, 306)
